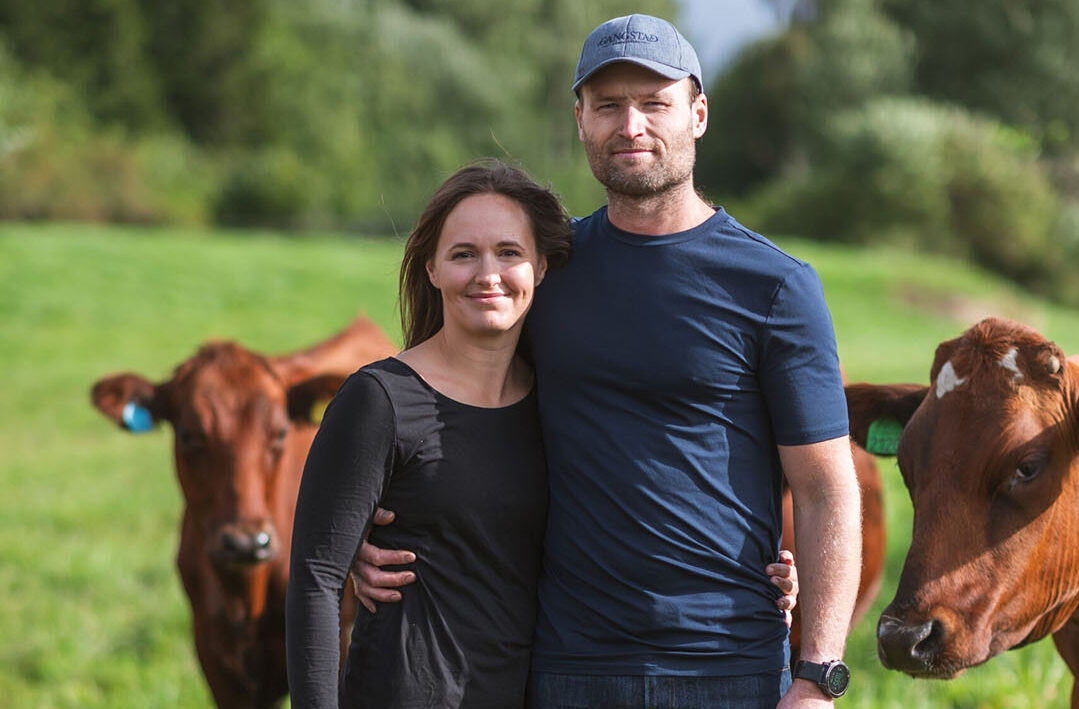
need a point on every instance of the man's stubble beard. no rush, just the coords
(673, 170)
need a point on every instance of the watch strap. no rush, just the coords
(812, 671)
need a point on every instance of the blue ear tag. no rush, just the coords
(883, 437)
(137, 418)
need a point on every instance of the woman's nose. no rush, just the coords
(488, 272)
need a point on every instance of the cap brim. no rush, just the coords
(667, 72)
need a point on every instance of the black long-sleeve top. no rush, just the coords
(469, 489)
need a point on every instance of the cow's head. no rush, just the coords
(234, 415)
(986, 452)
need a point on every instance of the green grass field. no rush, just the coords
(91, 609)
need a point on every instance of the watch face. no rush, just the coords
(837, 679)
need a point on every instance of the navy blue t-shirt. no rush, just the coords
(668, 369)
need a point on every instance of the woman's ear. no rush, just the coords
(541, 270)
(431, 274)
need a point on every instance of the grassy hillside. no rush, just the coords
(91, 610)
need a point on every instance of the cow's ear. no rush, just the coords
(878, 414)
(943, 355)
(308, 399)
(359, 343)
(129, 400)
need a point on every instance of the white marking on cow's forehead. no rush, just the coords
(947, 380)
(1008, 361)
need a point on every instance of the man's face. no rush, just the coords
(639, 129)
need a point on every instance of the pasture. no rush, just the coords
(91, 609)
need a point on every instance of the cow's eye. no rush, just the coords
(1028, 470)
(188, 439)
(278, 436)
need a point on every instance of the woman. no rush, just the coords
(445, 434)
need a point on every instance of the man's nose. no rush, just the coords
(633, 122)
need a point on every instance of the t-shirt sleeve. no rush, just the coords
(346, 471)
(799, 369)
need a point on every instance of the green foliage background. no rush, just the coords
(930, 125)
(919, 123)
(306, 114)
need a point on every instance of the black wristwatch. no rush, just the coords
(832, 677)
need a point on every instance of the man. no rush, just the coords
(684, 365)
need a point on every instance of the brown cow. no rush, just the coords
(990, 455)
(243, 426)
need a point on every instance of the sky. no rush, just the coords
(717, 29)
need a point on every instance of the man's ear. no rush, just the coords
(700, 116)
(128, 400)
(307, 399)
(878, 414)
(577, 110)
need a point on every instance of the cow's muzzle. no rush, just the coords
(911, 647)
(245, 544)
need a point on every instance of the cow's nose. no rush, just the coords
(909, 647)
(240, 546)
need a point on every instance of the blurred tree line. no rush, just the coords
(946, 126)
(317, 113)
(940, 125)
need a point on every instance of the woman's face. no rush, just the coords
(486, 265)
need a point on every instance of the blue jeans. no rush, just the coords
(554, 691)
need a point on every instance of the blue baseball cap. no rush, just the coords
(644, 40)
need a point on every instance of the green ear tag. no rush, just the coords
(883, 437)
